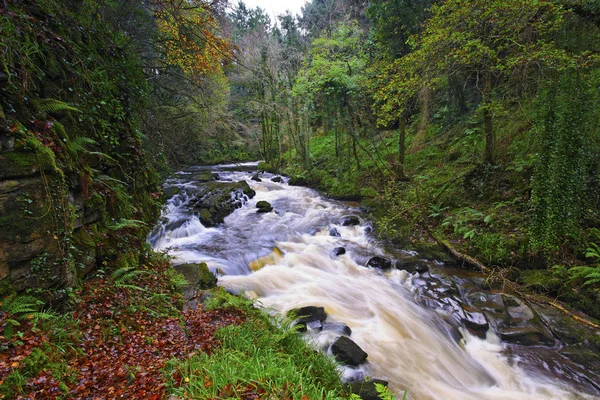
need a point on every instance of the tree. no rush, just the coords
(332, 81)
(493, 43)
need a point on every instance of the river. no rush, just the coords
(430, 329)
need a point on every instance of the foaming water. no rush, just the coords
(412, 347)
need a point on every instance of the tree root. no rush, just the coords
(473, 263)
(464, 258)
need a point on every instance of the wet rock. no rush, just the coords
(336, 327)
(412, 266)
(490, 302)
(276, 179)
(520, 324)
(171, 191)
(368, 229)
(350, 220)
(216, 176)
(367, 390)
(338, 251)
(347, 352)
(201, 176)
(306, 315)
(334, 232)
(216, 200)
(314, 325)
(264, 207)
(525, 336)
(199, 277)
(256, 178)
(475, 321)
(379, 262)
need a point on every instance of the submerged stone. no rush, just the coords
(334, 232)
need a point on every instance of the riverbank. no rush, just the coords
(127, 336)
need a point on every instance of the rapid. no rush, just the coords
(434, 331)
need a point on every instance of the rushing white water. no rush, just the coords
(408, 345)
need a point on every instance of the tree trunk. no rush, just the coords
(488, 127)
(401, 146)
(490, 137)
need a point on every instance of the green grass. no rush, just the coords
(256, 357)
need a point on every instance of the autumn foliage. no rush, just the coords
(190, 40)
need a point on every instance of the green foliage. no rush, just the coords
(566, 125)
(590, 274)
(257, 354)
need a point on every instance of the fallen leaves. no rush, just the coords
(121, 341)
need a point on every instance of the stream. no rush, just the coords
(428, 327)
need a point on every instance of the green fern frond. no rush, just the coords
(16, 305)
(78, 145)
(127, 223)
(43, 316)
(52, 106)
(590, 274)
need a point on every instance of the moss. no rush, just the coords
(206, 279)
(6, 288)
(17, 164)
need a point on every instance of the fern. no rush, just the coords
(77, 146)
(124, 274)
(16, 305)
(589, 273)
(52, 106)
(127, 223)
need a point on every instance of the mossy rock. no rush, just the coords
(216, 200)
(199, 275)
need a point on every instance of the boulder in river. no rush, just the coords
(350, 220)
(215, 200)
(201, 176)
(256, 178)
(276, 179)
(347, 352)
(367, 390)
(264, 207)
(380, 262)
(306, 315)
(171, 191)
(338, 251)
(412, 266)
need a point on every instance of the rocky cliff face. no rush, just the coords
(46, 230)
(75, 185)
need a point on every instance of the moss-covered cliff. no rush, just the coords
(75, 185)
